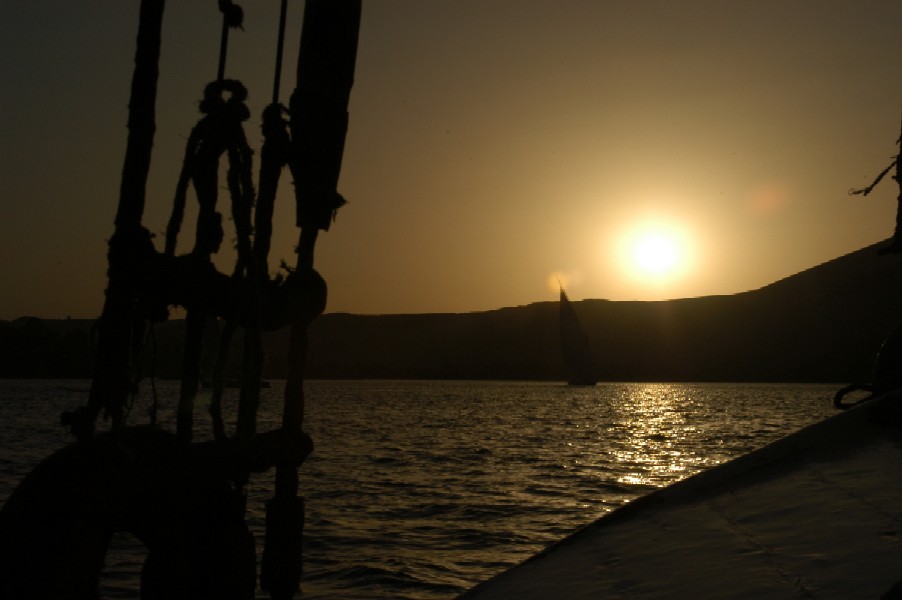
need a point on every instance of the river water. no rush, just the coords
(421, 489)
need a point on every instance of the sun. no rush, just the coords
(654, 252)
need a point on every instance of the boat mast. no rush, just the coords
(318, 123)
(130, 243)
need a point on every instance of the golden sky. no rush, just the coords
(493, 145)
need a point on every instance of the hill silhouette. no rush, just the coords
(824, 324)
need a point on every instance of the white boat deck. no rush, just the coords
(817, 514)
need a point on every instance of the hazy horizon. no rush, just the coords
(179, 313)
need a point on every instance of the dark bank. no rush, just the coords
(824, 324)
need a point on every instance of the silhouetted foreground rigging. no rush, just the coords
(184, 500)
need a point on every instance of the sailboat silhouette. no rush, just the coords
(579, 361)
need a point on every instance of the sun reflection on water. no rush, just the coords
(652, 423)
(426, 488)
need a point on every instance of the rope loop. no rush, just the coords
(225, 98)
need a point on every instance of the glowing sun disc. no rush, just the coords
(655, 253)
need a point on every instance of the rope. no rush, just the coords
(218, 132)
(181, 192)
(241, 187)
(838, 397)
(222, 356)
(153, 375)
(232, 18)
(280, 46)
(273, 157)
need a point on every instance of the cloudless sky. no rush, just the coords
(493, 145)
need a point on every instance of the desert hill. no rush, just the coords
(823, 324)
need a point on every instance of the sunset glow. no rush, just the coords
(633, 151)
(654, 253)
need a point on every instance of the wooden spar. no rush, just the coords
(319, 121)
(111, 384)
(141, 116)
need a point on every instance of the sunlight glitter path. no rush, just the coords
(817, 514)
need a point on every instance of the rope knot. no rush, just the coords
(232, 13)
(225, 98)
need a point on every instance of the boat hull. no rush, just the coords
(815, 514)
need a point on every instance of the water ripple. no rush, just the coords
(419, 490)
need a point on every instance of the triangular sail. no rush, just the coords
(579, 361)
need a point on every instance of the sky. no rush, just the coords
(632, 150)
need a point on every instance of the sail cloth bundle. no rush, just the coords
(185, 500)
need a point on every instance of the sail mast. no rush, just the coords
(318, 122)
(130, 242)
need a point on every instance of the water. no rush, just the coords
(419, 490)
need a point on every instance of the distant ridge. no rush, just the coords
(824, 324)
(860, 271)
